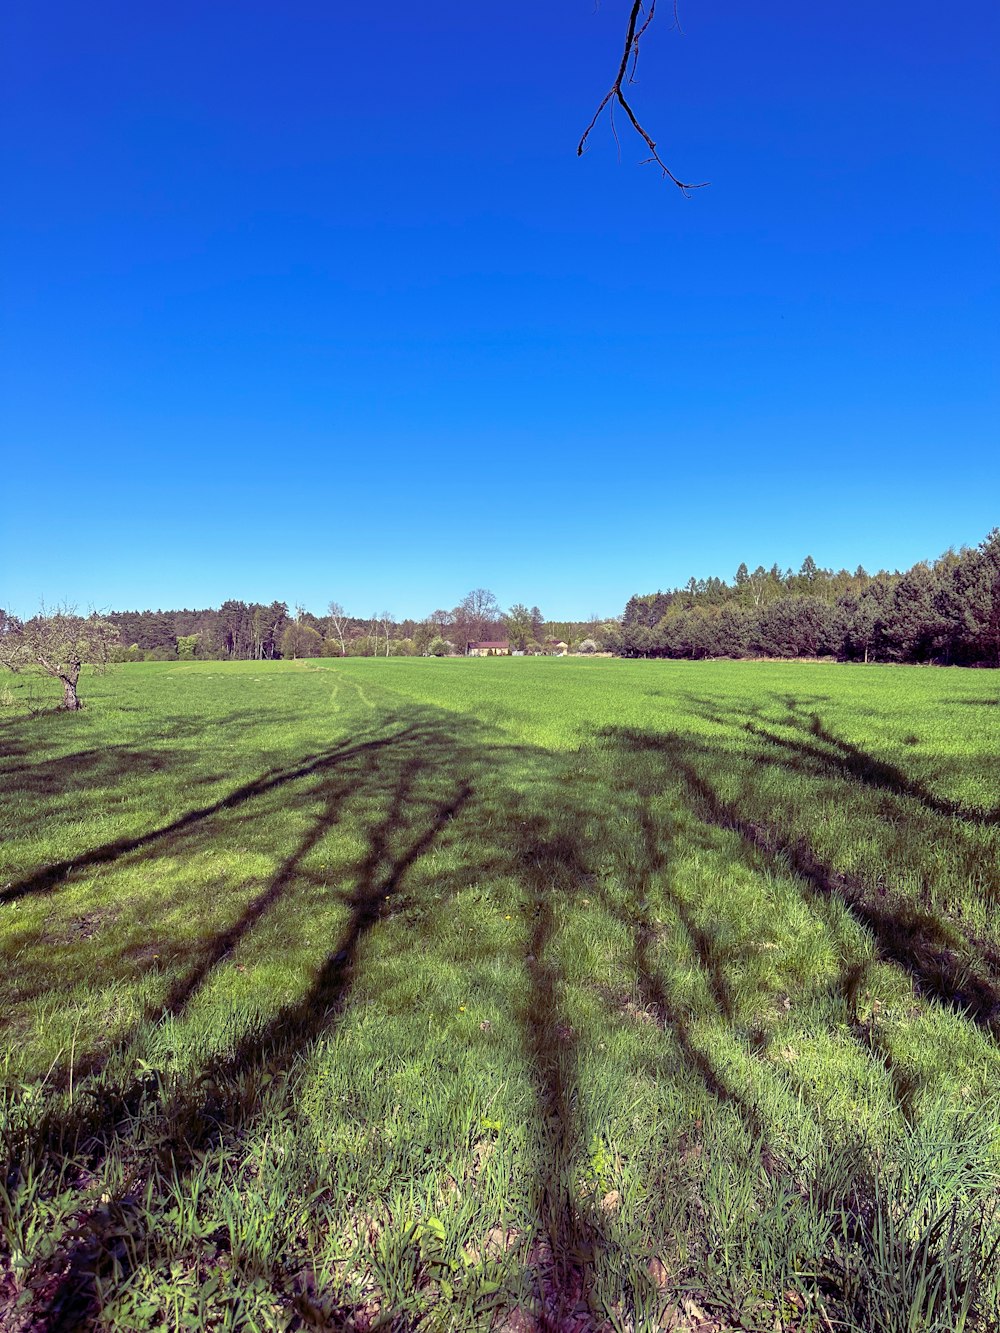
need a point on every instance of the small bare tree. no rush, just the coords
(58, 643)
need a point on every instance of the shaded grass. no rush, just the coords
(426, 993)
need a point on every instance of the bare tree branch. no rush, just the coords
(615, 93)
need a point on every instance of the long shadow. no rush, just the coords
(803, 760)
(356, 773)
(703, 946)
(43, 792)
(49, 878)
(20, 739)
(352, 765)
(840, 758)
(225, 1096)
(378, 880)
(846, 759)
(905, 1085)
(651, 876)
(84, 770)
(227, 941)
(547, 860)
(907, 936)
(215, 950)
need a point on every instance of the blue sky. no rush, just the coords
(312, 301)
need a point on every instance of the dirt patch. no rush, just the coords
(87, 925)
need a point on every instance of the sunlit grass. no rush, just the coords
(424, 991)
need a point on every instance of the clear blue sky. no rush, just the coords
(315, 300)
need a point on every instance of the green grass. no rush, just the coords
(555, 994)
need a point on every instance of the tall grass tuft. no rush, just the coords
(919, 1246)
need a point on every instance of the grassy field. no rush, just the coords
(505, 994)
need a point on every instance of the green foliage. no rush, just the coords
(518, 625)
(301, 640)
(947, 611)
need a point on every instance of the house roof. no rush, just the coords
(490, 643)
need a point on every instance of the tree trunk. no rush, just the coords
(71, 700)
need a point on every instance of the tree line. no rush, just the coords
(243, 631)
(945, 611)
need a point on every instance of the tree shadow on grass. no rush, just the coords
(420, 776)
(649, 874)
(51, 877)
(547, 860)
(343, 774)
(225, 1097)
(427, 776)
(347, 769)
(820, 752)
(866, 1034)
(655, 868)
(352, 772)
(84, 767)
(913, 939)
(84, 770)
(843, 758)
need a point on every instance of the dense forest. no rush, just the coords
(945, 611)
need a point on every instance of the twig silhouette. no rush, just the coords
(616, 93)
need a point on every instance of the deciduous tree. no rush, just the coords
(477, 611)
(58, 643)
(518, 625)
(301, 640)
